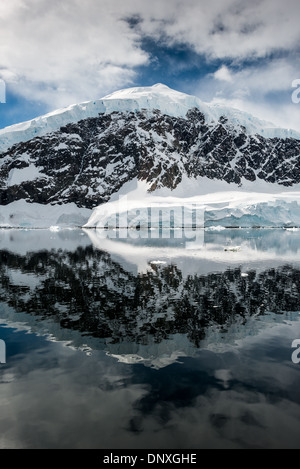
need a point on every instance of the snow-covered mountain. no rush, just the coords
(160, 139)
(160, 97)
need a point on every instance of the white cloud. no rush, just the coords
(61, 52)
(223, 74)
(231, 28)
(274, 76)
(82, 47)
(263, 90)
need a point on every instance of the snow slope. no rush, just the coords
(159, 96)
(20, 214)
(202, 202)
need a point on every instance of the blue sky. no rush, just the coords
(239, 53)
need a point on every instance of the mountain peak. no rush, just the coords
(142, 91)
(157, 88)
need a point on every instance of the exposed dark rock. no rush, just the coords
(86, 162)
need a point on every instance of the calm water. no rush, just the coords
(149, 341)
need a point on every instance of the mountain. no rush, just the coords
(83, 155)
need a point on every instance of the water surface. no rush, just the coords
(149, 341)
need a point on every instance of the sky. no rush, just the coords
(236, 52)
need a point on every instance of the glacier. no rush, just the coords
(213, 203)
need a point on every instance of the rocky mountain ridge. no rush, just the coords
(85, 162)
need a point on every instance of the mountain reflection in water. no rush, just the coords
(133, 313)
(149, 342)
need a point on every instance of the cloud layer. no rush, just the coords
(66, 51)
(63, 52)
(265, 90)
